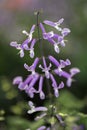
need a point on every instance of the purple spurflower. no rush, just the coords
(67, 75)
(31, 49)
(55, 86)
(20, 47)
(55, 24)
(17, 80)
(36, 109)
(46, 35)
(32, 67)
(30, 33)
(65, 32)
(24, 45)
(59, 65)
(30, 90)
(45, 69)
(42, 95)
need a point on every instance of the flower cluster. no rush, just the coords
(55, 39)
(34, 77)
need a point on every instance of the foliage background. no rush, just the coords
(17, 15)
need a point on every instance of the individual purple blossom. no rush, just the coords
(55, 24)
(24, 84)
(46, 35)
(59, 40)
(30, 33)
(20, 47)
(59, 65)
(67, 75)
(65, 32)
(17, 80)
(30, 90)
(53, 60)
(36, 109)
(31, 49)
(32, 67)
(40, 91)
(55, 86)
(45, 68)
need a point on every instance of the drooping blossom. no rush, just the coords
(30, 34)
(20, 47)
(24, 45)
(45, 69)
(55, 24)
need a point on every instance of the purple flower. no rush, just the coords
(59, 65)
(55, 24)
(35, 109)
(32, 67)
(30, 90)
(46, 35)
(68, 76)
(55, 86)
(21, 47)
(59, 41)
(24, 85)
(17, 80)
(53, 60)
(30, 33)
(65, 32)
(31, 49)
(42, 95)
(45, 68)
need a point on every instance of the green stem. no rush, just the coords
(39, 38)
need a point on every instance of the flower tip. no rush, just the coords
(56, 48)
(68, 62)
(42, 95)
(31, 53)
(74, 71)
(24, 31)
(17, 80)
(30, 103)
(13, 43)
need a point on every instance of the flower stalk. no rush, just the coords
(28, 85)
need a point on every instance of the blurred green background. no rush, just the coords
(18, 15)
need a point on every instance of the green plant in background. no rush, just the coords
(61, 113)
